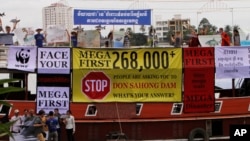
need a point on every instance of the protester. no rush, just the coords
(178, 39)
(16, 118)
(57, 116)
(52, 123)
(126, 40)
(39, 38)
(225, 39)
(38, 124)
(194, 41)
(110, 39)
(24, 116)
(73, 39)
(69, 122)
(236, 37)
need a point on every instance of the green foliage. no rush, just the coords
(138, 39)
(5, 127)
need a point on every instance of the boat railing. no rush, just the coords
(3, 56)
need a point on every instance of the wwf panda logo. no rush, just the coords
(23, 56)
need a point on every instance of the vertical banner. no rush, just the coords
(53, 79)
(232, 62)
(124, 75)
(199, 80)
(22, 58)
(53, 60)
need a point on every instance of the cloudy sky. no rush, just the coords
(218, 12)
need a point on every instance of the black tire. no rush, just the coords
(197, 131)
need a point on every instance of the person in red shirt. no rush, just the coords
(225, 39)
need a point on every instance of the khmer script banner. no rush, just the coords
(112, 17)
(232, 62)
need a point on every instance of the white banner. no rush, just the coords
(232, 62)
(56, 33)
(89, 38)
(49, 98)
(53, 60)
(25, 36)
(210, 40)
(118, 39)
(22, 58)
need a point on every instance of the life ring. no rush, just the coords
(196, 131)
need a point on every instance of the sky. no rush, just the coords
(218, 12)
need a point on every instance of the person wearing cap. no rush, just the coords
(39, 38)
(16, 118)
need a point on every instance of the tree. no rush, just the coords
(5, 127)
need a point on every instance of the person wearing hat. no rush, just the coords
(39, 38)
(16, 118)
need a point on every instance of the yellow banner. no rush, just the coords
(127, 75)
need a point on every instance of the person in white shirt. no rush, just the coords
(69, 122)
(16, 127)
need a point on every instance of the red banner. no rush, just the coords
(199, 75)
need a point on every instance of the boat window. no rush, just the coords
(91, 110)
(217, 106)
(177, 109)
(138, 108)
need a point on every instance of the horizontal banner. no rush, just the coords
(139, 75)
(112, 17)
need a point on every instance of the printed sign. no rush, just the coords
(89, 38)
(199, 80)
(108, 75)
(49, 98)
(25, 36)
(53, 60)
(118, 39)
(112, 17)
(57, 33)
(210, 40)
(22, 58)
(232, 62)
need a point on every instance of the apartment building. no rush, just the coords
(58, 13)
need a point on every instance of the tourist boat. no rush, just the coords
(150, 120)
(155, 121)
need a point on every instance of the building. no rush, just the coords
(58, 14)
(163, 27)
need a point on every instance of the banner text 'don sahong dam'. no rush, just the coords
(125, 75)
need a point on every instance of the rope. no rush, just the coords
(118, 115)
